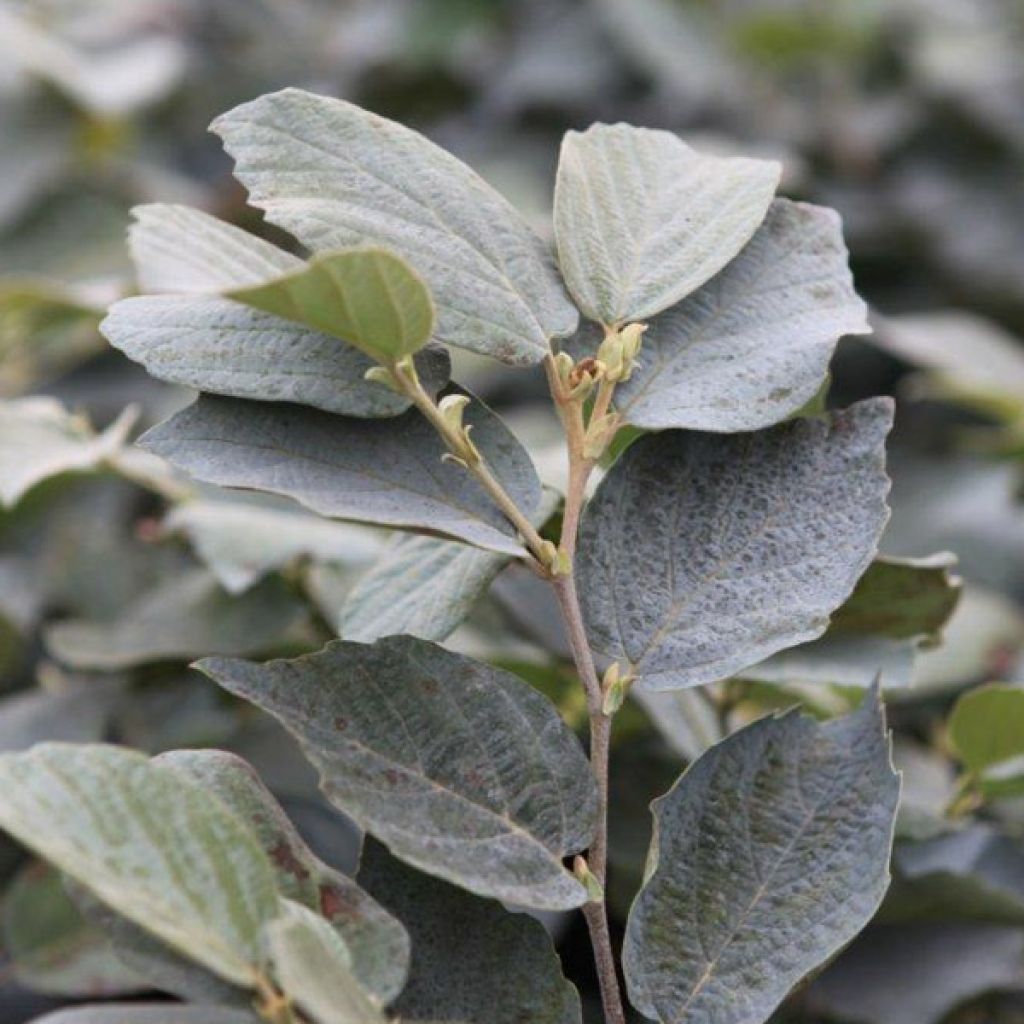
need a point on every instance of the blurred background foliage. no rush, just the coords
(905, 115)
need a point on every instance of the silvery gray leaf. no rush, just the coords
(770, 853)
(462, 769)
(641, 219)
(179, 249)
(335, 175)
(197, 338)
(753, 345)
(702, 554)
(220, 346)
(473, 960)
(184, 617)
(388, 472)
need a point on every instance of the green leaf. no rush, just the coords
(39, 439)
(379, 471)
(51, 948)
(642, 220)
(702, 554)
(149, 844)
(337, 176)
(463, 770)
(184, 617)
(752, 346)
(313, 966)
(899, 605)
(473, 961)
(211, 343)
(987, 726)
(370, 298)
(377, 945)
(770, 853)
(242, 537)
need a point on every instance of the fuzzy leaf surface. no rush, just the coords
(987, 725)
(463, 770)
(898, 606)
(184, 617)
(180, 249)
(192, 335)
(641, 219)
(379, 471)
(770, 853)
(752, 346)
(473, 961)
(153, 847)
(702, 554)
(213, 344)
(335, 176)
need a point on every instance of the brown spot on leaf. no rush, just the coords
(284, 857)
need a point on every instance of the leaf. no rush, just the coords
(423, 587)
(702, 554)
(312, 965)
(46, 329)
(899, 605)
(642, 220)
(972, 875)
(379, 471)
(184, 617)
(179, 249)
(51, 948)
(152, 846)
(770, 853)
(208, 342)
(377, 945)
(987, 726)
(463, 770)
(78, 714)
(39, 440)
(473, 961)
(335, 176)
(752, 346)
(917, 974)
(242, 537)
(225, 348)
(368, 297)
(145, 1013)
(959, 349)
